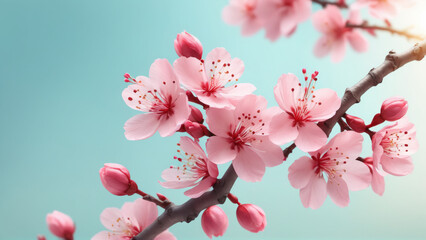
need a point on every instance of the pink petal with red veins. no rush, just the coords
(141, 126)
(281, 129)
(357, 41)
(248, 165)
(220, 150)
(338, 50)
(166, 235)
(220, 121)
(271, 154)
(190, 72)
(286, 91)
(314, 193)
(397, 166)
(323, 46)
(238, 90)
(202, 187)
(357, 175)
(310, 137)
(326, 103)
(345, 146)
(301, 171)
(161, 71)
(338, 191)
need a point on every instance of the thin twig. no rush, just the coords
(343, 125)
(323, 3)
(365, 26)
(164, 204)
(190, 209)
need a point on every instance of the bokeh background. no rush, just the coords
(62, 116)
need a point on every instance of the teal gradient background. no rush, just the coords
(62, 116)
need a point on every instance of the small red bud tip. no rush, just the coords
(356, 123)
(233, 198)
(304, 71)
(388, 23)
(306, 78)
(41, 237)
(316, 73)
(126, 75)
(162, 197)
(126, 80)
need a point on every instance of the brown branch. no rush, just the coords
(343, 125)
(324, 3)
(365, 26)
(190, 209)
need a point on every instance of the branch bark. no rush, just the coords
(365, 26)
(190, 209)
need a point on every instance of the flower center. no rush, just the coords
(194, 166)
(247, 130)
(396, 143)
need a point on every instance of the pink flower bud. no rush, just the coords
(126, 75)
(394, 109)
(356, 123)
(60, 225)
(186, 45)
(251, 217)
(196, 115)
(41, 237)
(214, 221)
(116, 179)
(194, 129)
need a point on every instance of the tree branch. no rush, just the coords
(190, 209)
(365, 26)
(323, 3)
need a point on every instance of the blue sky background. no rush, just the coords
(62, 116)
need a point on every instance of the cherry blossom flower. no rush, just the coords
(242, 137)
(60, 225)
(302, 106)
(382, 9)
(242, 12)
(196, 166)
(281, 17)
(377, 177)
(393, 146)
(207, 79)
(331, 24)
(337, 161)
(165, 104)
(129, 221)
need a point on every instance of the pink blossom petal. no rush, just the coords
(357, 41)
(202, 187)
(286, 91)
(314, 193)
(141, 126)
(345, 145)
(248, 165)
(271, 154)
(238, 90)
(397, 166)
(220, 121)
(301, 172)
(220, 150)
(338, 50)
(181, 110)
(252, 104)
(233, 15)
(190, 72)
(281, 129)
(161, 71)
(149, 210)
(109, 218)
(167, 126)
(338, 191)
(272, 26)
(106, 235)
(191, 147)
(303, 9)
(323, 46)
(251, 26)
(177, 184)
(236, 68)
(166, 235)
(310, 137)
(212, 168)
(357, 175)
(330, 102)
(377, 182)
(216, 100)
(213, 57)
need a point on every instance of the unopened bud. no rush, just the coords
(356, 123)
(214, 221)
(116, 179)
(394, 109)
(196, 115)
(194, 129)
(186, 45)
(251, 217)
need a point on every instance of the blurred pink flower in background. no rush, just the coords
(242, 12)
(382, 9)
(116, 179)
(187, 45)
(129, 221)
(214, 221)
(331, 24)
(161, 97)
(208, 78)
(393, 146)
(281, 17)
(336, 160)
(41, 237)
(301, 107)
(197, 170)
(242, 137)
(60, 225)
